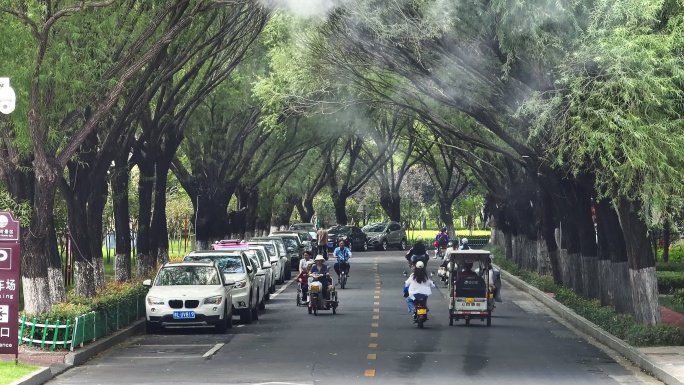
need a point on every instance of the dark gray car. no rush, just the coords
(383, 235)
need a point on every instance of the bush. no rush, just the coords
(676, 254)
(670, 266)
(669, 281)
(106, 301)
(678, 296)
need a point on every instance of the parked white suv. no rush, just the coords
(235, 266)
(188, 294)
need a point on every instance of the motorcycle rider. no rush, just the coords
(441, 241)
(464, 244)
(321, 268)
(305, 261)
(343, 255)
(417, 283)
(417, 252)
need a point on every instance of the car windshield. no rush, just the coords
(228, 264)
(262, 256)
(187, 275)
(270, 249)
(336, 230)
(375, 228)
(303, 227)
(290, 242)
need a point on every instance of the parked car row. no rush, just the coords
(237, 278)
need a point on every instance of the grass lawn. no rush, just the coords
(10, 372)
(430, 234)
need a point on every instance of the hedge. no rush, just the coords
(670, 266)
(105, 302)
(669, 281)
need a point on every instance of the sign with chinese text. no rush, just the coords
(9, 283)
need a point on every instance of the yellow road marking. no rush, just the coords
(374, 325)
(376, 310)
(376, 317)
(374, 335)
(377, 292)
(373, 345)
(376, 297)
(371, 356)
(370, 372)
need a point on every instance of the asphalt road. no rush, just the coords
(371, 339)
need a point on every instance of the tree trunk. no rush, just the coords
(548, 229)
(509, 246)
(122, 221)
(146, 261)
(308, 210)
(55, 277)
(666, 240)
(159, 235)
(574, 258)
(210, 218)
(391, 204)
(340, 204)
(606, 285)
(34, 261)
(641, 262)
(446, 216)
(610, 230)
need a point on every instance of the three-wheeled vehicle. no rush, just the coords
(317, 300)
(470, 295)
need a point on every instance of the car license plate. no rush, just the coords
(421, 311)
(330, 244)
(470, 300)
(183, 314)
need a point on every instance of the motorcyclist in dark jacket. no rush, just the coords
(417, 252)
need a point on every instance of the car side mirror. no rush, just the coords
(229, 282)
(387, 231)
(260, 273)
(249, 269)
(147, 283)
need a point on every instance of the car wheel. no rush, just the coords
(246, 315)
(268, 294)
(288, 271)
(402, 245)
(150, 328)
(262, 304)
(255, 313)
(385, 245)
(222, 325)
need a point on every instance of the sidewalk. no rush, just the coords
(666, 363)
(52, 364)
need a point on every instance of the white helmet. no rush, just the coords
(420, 265)
(464, 241)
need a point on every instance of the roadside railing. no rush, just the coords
(87, 327)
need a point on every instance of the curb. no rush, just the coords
(638, 358)
(82, 355)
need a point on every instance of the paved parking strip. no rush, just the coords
(371, 339)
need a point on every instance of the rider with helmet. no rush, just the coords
(464, 244)
(417, 283)
(417, 252)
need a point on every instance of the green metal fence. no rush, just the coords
(475, 242)
(46, 333)
(85, 328)
(96, 324)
